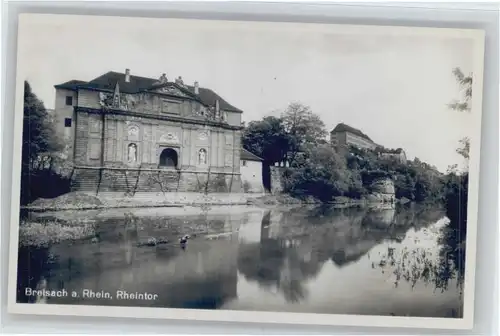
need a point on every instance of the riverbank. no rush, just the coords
(338, 202)
(110, 200)
(45, 228)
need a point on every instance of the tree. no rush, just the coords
(303, 127)
(463, 105)
(323, 175)
(38, 133)
(39, 145)
(464, 148)
(267, 139)
(465, 83)
(456, 186)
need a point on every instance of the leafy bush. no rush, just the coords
(325, 173)
(322, 174)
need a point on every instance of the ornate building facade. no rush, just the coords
(132, 133)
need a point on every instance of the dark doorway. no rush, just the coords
(168, 158)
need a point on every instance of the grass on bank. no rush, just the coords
(36, 233)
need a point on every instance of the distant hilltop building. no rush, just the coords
(396, 154)
(344, 135)
(122, 130)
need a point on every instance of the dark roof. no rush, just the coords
(246, 155)
(137, 84)
(209, 97)
(70, 85)
(346, 128)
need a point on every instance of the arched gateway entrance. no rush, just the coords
(169, 158)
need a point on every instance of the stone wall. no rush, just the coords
(152, 180)
(277, 180)
(81, 138)
(400, 157)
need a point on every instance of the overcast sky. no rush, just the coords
(394, 86)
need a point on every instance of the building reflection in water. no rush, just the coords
(293, 254)
(122, 257)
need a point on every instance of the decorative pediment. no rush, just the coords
(118, 100)
(203, 135)
(169, 138)
(171, 90)
(133, 132)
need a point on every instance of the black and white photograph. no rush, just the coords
(246, 171)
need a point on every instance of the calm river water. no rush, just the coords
(321, 260)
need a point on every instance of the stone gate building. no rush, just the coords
(130, 133)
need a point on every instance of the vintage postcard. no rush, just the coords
(246, 171)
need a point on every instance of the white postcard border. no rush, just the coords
(258, 316)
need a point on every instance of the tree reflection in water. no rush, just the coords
(303, 241)
(420, 264)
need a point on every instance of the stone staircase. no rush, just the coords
(138, 181)
(85, 180)
(133, 181)
(156, 181)
(118, 180)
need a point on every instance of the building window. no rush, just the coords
(244, 163)
(69, 100)
(67, 122)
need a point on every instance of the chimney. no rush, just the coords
(196, 88)
(127, 75)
